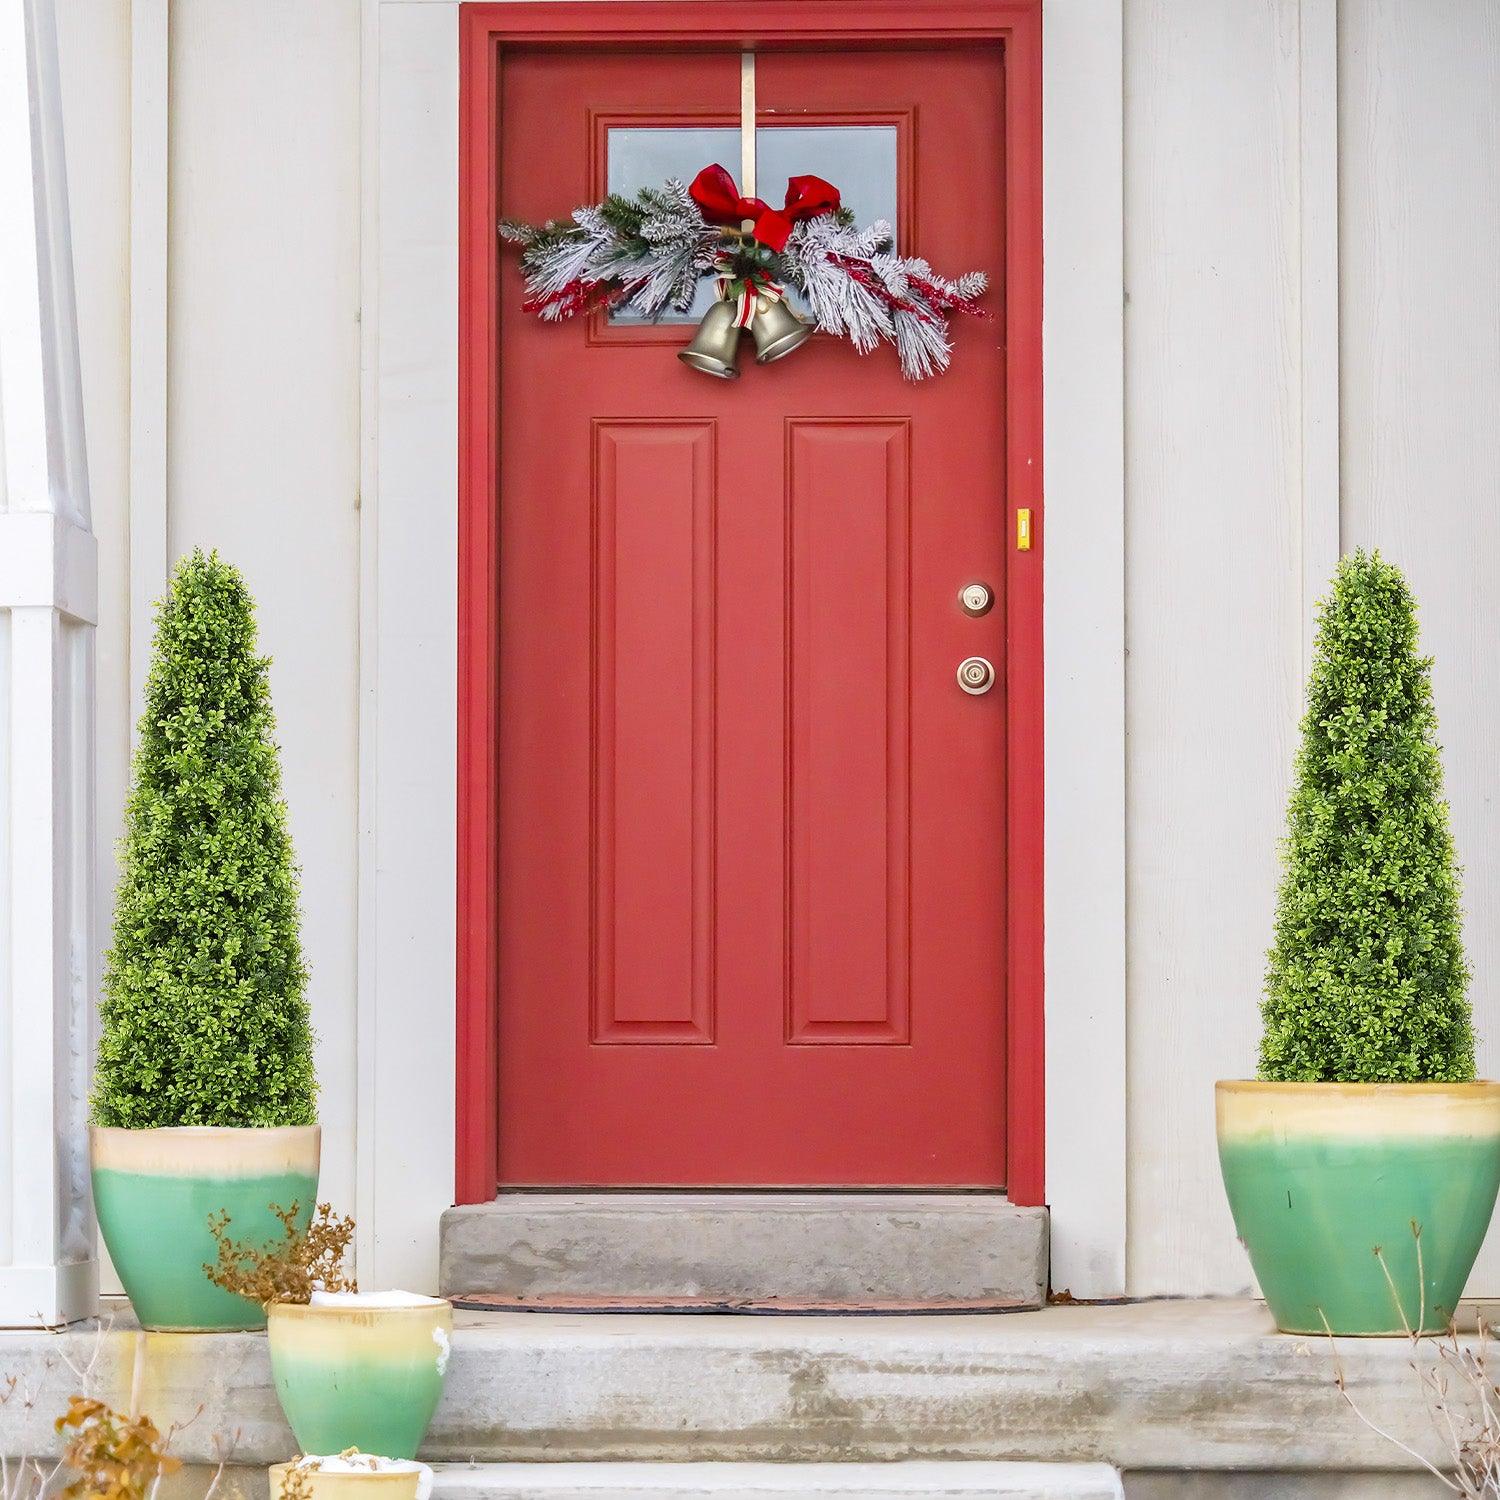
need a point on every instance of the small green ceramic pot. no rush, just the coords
(154, 1191)
(360, 1377)
(1321, 1176)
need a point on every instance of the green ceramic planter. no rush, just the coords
(1320, 1175)
(154, 1191)
(360, 1377)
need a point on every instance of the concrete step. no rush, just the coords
(878, 1250)
(1172, 1387)
(755, 1481)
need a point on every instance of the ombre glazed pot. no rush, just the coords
(360, 1377)
(407, 1482)
(154, 1191)
(1362, 1205)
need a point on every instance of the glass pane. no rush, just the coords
(860, 160)
(645, 157)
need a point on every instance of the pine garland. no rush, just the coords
(651, 250)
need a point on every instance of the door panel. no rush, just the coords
(653, 731)
(848, 727)
(751, 843)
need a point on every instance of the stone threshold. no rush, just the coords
(881, 1252)
(1165, 1386)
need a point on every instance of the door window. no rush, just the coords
(860, 160)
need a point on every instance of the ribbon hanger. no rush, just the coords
(747, 123)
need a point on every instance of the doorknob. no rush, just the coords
(975, 675)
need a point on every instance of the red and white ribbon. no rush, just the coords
(747, 292)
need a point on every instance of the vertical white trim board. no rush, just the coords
(408, 641)
(149, 101)
(1084, 639)
(1318, 292)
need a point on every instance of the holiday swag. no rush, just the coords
(650, 251)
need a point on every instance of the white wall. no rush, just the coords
(1223, 508)
(263, 393)
(263, 422)
(94, 58)
(94, 62)
(1420, 320)
(1239, 409)
(1213, 506)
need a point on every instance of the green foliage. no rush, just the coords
(205, 1017)
(1367, 977)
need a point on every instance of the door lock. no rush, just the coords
(975, 675)
(976, 599)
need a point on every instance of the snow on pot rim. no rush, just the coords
(392, 1299)
(334, 1474)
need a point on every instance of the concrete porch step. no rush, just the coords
(841, 1249)
(759, 1481)
(1172, 1387)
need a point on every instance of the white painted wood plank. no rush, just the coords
(263, 443)
(1318, 301)
(1420, 116)
(1213, 586)
(150, 92)
(47, 1268)
(1084, 603)
(409, 715)
(94, 57)
(369, 643)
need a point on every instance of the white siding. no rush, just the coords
(94, 63)
(1213, 507)
(1228, 374)
(263, 422)
(1420, 321)
(264, 408)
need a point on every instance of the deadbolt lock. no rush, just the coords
(976, 599)
(975, 675)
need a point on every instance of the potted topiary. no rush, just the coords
(204, 1092)
(1362, 1165)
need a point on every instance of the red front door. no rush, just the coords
(751, 831)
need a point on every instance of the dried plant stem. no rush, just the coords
(1343, 1388)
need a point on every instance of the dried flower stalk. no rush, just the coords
(1468, 1429)
(292, 1268)
(111, 1456)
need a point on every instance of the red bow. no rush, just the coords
(716, 195)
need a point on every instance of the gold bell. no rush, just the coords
(777, 330)
(715, 344)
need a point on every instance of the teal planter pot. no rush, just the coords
(154, 1191)
(360, 1377)
(1321, 1175)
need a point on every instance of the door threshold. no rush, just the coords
(803, 1252)
(768, 1307)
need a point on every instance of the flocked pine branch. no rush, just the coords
(649, 251)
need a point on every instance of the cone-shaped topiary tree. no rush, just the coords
(205, 1017)
(1367, 978)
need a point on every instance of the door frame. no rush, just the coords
(484, 30)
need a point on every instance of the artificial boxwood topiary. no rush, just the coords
(1367, 980)
(205, 1015)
